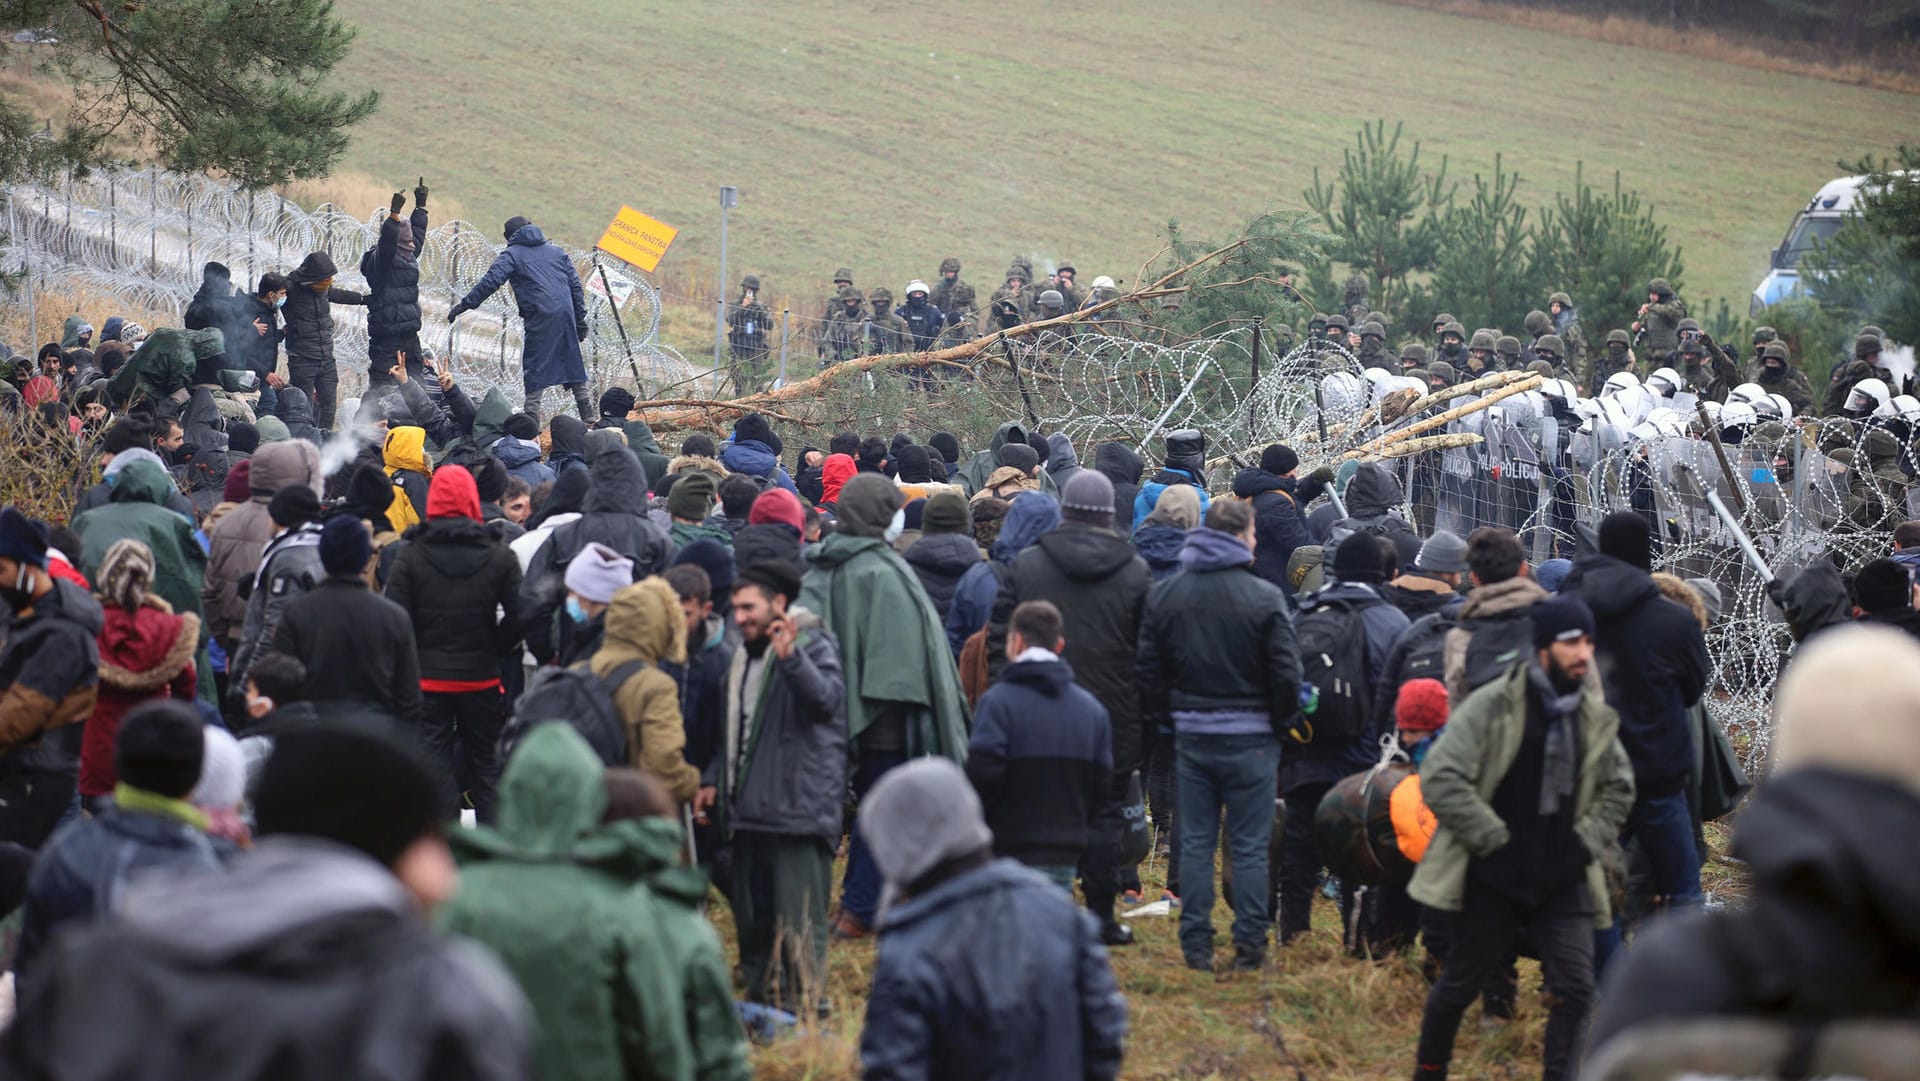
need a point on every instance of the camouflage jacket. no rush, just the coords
(1663, 324)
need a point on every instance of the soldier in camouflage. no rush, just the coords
(962, 317)
(1882, 486)
(1014, 291)
(1617, 357)
(1414, 359)
(1353, 300)
(1506, 351)
(841, 339)
(1064, 281)
(842, 281)
(1339, 331)
(1552, 352)
(1438, 374)
(1373, 346)
(1660, 320)
(1566, 323)
(1482, 357)
(1453, 345)
(747, 325)
(1440, 324)
(945, 283)
(1709, 382)
(1778, 375)
(884, 331)
(1865, 364)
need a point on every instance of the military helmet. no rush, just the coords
(1688, 324)
(1373, 329)
(1414, 354)
(963, 296)
(1880, 445)
(880, 295)
(1443, 319)
(1660, 287)
(1561, 299)
(1776, 350)
(1318, 323)
(1336, 320)
(1538, 322)
(1440, 369)
(1052, 298)
(1454, 328)
(1507, 346)
(950, 264)
(751, 281)
(1015, 270)
(1483, 339)
(844, 274)
(1550, 344)
(1866, 345)
(1619, 337)
(846, 293)
(1104, 282)
(1067, 266)
(1763, 335)
(1541, 367)
(917, 286)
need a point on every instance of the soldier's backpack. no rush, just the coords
(1333, 658)
(577, 697)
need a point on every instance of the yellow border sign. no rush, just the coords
(637, 239)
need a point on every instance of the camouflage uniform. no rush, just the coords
(1791, 383)
(747, 327)
(1552, 352)
(1709, 382)
(884, 331)
(1662, 322)
(1482, 357)
(841, 338)
(1566, 323)
(962, 318)
(1354, 301)
(943, 287)
(1070, 291)
(1616, 357)
(842, 281)
(1373, 347)
(1882, 488)
(1020, 296)
(1864, 365)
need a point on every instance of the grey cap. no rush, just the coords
(1709, 594)
(918, 817)
(1443, 553)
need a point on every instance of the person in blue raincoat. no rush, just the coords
(552, 306)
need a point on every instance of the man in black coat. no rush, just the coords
(309, 332)
(1218, 662)
(392, 270)
(946, 549)
(1279, 524)
(357, 645)
(1653, 663)
(452, 576)
(1091, 573)
(614, 514)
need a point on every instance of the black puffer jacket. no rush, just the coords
(939, 559)
(767, 540)
(1218, 636)
(449, 575)
(357, 646)
(1100, 586)
(393, 278)
(615, 514)
(1118, 463)
(1278, 524)
(309, 314)
(1830, 932)
(1653, 662)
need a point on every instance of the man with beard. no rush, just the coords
(1528, 783)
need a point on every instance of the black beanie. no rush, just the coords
(515, 224)
(523, 426)
(1020, 456)
(753, 426)
(1041, 448)
(1360, 558)
(345, 547)
(293, 506)
(160, 748)
(915, 466)
(873, 455)
(349, 784)
(616, 402)
(243, 437)
(1882, 586)
(490, 479)
(1279, 460)
(947, 445)
(1628, 537)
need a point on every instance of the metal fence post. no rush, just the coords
(786, 334)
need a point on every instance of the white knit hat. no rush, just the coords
(1850, 701)
(599, 572)
(223, 773)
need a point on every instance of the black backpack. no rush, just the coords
(577, 697)
(1496, 646)
(1333, 657)
(1426, 653)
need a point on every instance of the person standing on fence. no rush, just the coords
(309, 332)
(552, 306)
(392, 270)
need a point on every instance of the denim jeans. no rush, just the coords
(1061, 874)
(1663, 828)
(860, 890)
(1234, 777)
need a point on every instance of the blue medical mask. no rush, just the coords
(576, 611)
(280, 301)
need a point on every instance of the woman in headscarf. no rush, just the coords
(146, 651)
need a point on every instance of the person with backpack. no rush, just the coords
(451, 577)
(1218, 662)
(1529, 784)
(1491, 633)
(614, 514)
(1278, 497)
(1345, 632)
(645, 629)
(780, 785)
(1428, 595)
(1030, 516)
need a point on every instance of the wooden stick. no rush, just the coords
(1430, 423)
(1449, 441)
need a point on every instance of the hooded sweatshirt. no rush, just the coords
(1032, 515)
(1062, 461)
(645, 623)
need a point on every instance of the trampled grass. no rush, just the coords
(887, 138)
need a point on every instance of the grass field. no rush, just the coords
(887, 137)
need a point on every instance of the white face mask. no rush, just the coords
(897, 526)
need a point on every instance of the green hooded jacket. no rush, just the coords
(162, 365)
(893, 648)
(138, 511)
(70, 333)
(603, 958)
(1471, 757)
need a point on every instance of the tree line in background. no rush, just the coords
(1865, 25)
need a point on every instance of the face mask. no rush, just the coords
(897, 526)
(1771, 374)
(18, 595)
(279, 302)
(575, 611)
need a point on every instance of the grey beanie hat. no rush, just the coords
(1709, 593)
(1443, 553)
(1088, 498)
(918, 817)
(599, 572)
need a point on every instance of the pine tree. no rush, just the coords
(1382, 208)
(234, 86)
(1602, 248)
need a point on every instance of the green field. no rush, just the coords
(887, 137)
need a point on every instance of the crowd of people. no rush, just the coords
(417, 744)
